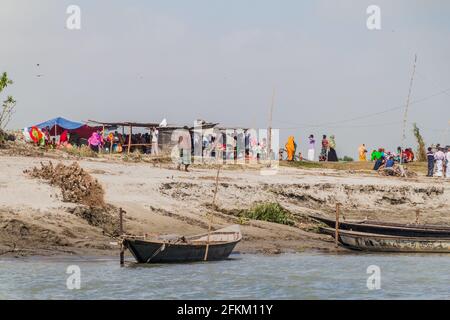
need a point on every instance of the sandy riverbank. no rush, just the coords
(159, 200)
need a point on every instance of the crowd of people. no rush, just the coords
(99, 141)
(386, 159)
(239, 145)
(327, 151)
(43, 138)
(242, 145)
(115, 142)
(438, 159)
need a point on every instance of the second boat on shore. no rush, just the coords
(385, 243)
(389, 229)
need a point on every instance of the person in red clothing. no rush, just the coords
(64, 137)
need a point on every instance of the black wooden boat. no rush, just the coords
(385, 228)
(173, 249)
(385, 243)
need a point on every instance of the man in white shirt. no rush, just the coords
(439, 156)
(155, 134)
(447, 157)
(311, 148)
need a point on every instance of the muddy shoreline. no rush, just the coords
(34, 219)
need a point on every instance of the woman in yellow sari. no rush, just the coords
(290, 148)
(362, 152)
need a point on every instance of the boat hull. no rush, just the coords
(382, 243)
(156, 252)
(390, 229)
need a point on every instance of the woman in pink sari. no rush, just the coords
(95, 141)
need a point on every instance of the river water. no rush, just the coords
(287, 276)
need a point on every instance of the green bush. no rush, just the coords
(347, 159)
(271, 212)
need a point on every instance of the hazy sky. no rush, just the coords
(219, 60)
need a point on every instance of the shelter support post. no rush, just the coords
(129, 139)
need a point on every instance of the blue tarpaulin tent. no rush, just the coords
(60, 122)
(56, 126)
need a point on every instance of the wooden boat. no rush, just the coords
(171, 249)
(385, 228)
(385, 243)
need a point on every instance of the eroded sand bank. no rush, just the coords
(159, 200)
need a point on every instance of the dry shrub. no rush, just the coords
(76, 184)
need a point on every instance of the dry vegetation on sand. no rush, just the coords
(76, 185)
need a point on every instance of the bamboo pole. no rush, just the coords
(405, 116)
(129, 139)
(269, 139)
(55, 134)
(210, 218)
(445, 133)
(336, 235)
(216, 187)
(122, 249)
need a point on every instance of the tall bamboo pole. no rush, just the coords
(269, 140)
(445, 133)
(129, 139)
(210, 218)
(405, 116)
(55, 133)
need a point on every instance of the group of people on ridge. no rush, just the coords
(327, 151)
(438, 159)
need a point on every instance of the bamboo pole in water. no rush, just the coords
(210, 218)
(336, 236)
(122, 249)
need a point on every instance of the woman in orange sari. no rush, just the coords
(362, 151)
(290, 148)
